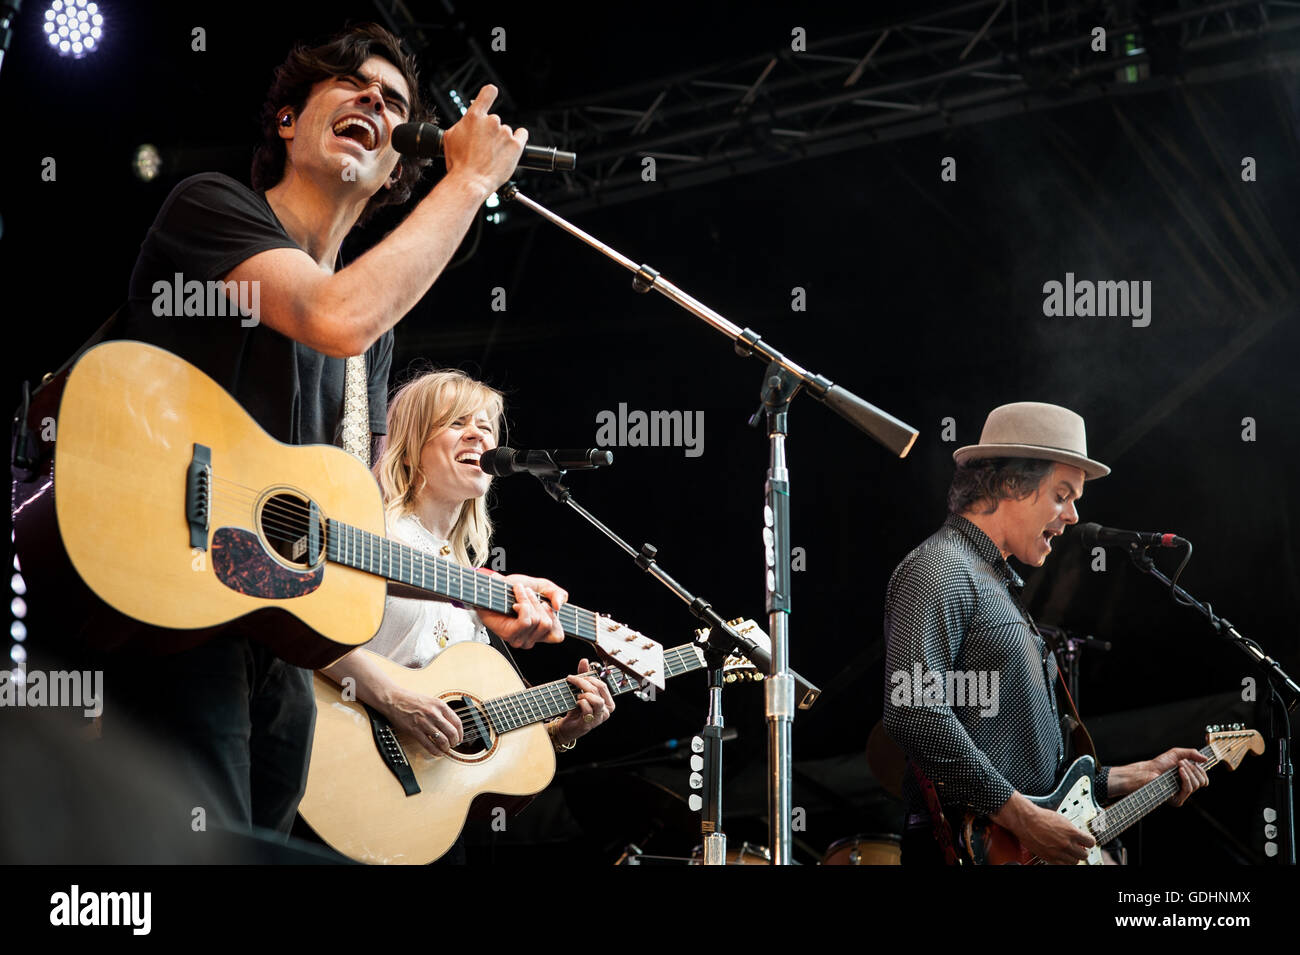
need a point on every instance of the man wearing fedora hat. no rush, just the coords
(953, 607)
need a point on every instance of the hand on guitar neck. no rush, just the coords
(1191, 776)
(595, 705)
(533, 621)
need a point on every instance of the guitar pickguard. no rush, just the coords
(1080, 808)
(242, 564)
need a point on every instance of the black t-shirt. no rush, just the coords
(208, 225)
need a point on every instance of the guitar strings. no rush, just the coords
(516, 705)
(296, 510)
(525, 708)
(283, 520)
(497, 588)
(521, 706)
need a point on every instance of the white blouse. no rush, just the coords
(415, 631)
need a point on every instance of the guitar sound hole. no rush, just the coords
(476, 737)
(292, 528)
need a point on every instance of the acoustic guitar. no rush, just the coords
(178, 510)
(377, 795)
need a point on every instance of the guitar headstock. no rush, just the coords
(630, 651)
(738, 669)
(1232, 742)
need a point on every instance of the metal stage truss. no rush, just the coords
(965, 64)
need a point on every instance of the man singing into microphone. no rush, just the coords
(953, 606)
(310, 364)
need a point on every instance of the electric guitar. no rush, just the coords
(981, 841)
(376, 795)
(178, 510)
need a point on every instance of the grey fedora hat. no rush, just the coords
(1032, 429)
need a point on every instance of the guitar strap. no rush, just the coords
(25, 451)
(1071, 726)
(1080, 740)
(100, 334)
(500, 645)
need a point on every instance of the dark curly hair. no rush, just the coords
(995, 479)
(340, 55)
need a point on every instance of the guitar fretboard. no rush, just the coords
(540, 703)
(394, 560)
(1120, 815)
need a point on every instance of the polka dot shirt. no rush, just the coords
(970, 685)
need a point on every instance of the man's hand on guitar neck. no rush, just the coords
(1133, 776)
(1046, 834)
(535, 621)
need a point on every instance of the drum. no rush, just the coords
(873, 849)
(747, 854)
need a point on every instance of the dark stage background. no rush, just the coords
(923, 296)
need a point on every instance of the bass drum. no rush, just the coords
(873, 849)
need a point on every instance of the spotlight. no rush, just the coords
(74, 27)
(147, 162)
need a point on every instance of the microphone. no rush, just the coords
(503, 462)
(1090, 535)
(425, 139)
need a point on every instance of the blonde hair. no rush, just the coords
(422, 409)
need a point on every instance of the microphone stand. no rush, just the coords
(1273, 673)
(721, 641)
(1072, 648)
(782, 380)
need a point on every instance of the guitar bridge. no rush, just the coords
(390, 750)
(198, 496)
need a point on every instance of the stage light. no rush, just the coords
(18, 653)
(17, 584)
(147, 162)
(18, 630)
(74, 27)
(19, 607)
